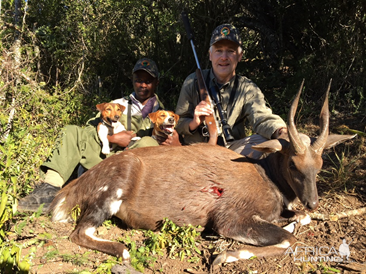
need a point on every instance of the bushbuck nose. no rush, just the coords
(312, 205)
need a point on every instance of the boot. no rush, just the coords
(42, 194)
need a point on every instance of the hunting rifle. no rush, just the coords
(212, 123)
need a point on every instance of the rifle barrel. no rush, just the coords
(211, 122)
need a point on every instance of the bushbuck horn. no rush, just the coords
(320, 142)
(293, 134)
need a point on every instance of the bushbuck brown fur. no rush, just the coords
(203, 185)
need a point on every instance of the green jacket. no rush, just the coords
(247, 107)
(81, 145)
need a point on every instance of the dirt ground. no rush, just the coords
(54, 253)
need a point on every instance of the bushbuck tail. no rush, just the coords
(205, 185)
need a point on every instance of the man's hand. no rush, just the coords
(202, 109)
(170, 140)
(121, 139)
(279, 132)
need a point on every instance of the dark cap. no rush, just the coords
(147, 65)
(225, 31)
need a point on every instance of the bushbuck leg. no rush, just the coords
(83, 235)
(105, 202)
(270, 240)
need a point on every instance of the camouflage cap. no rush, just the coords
(147, 65)
(225, 31)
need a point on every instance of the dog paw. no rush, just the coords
(106, 150)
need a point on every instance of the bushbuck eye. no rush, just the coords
(292, 166)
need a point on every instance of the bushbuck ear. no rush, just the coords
(269, 146)
(335, 139)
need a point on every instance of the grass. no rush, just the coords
(179, 242)
(77, 259)
(340, 171)
(321, 267)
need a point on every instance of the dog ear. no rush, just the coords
(122, 107)
(100, 107)
(153, 117)
(176, 117)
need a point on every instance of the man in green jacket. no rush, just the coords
(240, 98)
(79, 146)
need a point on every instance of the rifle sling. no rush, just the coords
(233, 91)
(220, 140)
(129, 106)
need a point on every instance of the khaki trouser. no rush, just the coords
(244, 146)
(77, 145)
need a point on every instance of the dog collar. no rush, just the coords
(106, 124)
(110, 127)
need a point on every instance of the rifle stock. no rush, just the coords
(211, 122)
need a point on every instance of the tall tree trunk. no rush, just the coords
(17, 34)
(16, 65)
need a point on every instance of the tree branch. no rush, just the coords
(336, 217)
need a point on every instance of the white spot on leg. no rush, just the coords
(114, 207)
(233, 256)
(59, 214)
(306, 220)
(90, 232)
(284, 244)
(125, 255)
(245, 254)
(230, 259)
(290, 227)
(288, 204)
(104, 188)
(119, 193)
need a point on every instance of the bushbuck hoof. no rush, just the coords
(126, 256)
(232, 256)
(220, 259)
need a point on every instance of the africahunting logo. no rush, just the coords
(321, 253)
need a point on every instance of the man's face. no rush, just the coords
(224, 57)
(144, 85)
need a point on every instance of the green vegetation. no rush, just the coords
(179, 243)
(59, 58)
(341, 171)
(322, 267)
